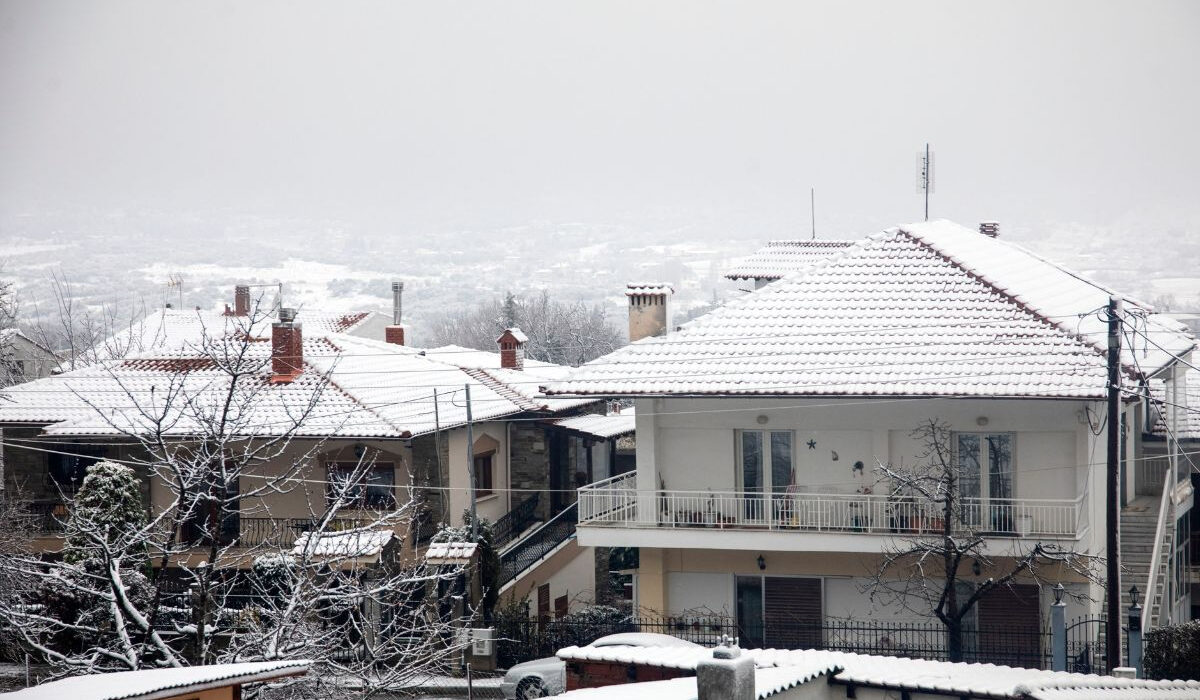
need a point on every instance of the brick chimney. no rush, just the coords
(395, 333)
(512, 348)
(649, 309)
(241, 300)
(287, 348)
(991, 229)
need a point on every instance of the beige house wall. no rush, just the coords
(570, 572)
(679, 581)
(487, 436)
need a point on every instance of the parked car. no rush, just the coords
(542, 678)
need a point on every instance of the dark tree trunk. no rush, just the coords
(954, 645)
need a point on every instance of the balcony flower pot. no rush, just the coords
(1024, 525)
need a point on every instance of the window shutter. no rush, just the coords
(1009, 626)
(794, 612)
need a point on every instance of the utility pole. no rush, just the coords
(925, 171)
(1112, 625)
(471, 467)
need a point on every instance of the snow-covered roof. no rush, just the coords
(177, 329)
(768, 682)
(603, 427)
(648, 288)
(1189, 418)
(375, 389)
(929, 309)
(160, 683)
(783, 257)
(517, 334)
(450, 552)
(10, 335)
(898, 673)
(353, 544)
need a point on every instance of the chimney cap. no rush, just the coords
(287, 314)
(515, 334)
(634, 289)
(989, 228)
(397, 286)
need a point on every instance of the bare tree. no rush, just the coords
(81, 334)
(221, 443)
(932, 571)
(562, 333)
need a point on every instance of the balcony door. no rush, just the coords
(765, 467)
(985, 480)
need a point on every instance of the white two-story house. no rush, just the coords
(760, 427)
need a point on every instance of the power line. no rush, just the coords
(294, 479)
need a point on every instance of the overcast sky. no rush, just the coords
(501, 112)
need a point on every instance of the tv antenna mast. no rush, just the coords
(175, 281)
(812, 208)
(925, 179)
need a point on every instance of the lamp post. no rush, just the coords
(1135, 630)
(1058, 629)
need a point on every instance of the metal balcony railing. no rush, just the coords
(616, 502)
(515, 521)
(530, 550)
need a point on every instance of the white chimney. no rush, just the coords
(728, 675)
(395, 333)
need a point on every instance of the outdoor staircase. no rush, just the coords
(1139, 521)
(527, 551)
(515, 524)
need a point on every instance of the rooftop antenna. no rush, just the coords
(925, 180)
(812, 207)
(175, 281)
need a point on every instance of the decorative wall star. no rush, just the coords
(812, 444)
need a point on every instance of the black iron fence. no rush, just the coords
(1009, 645)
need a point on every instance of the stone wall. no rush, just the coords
(530, 467)
(429, 470)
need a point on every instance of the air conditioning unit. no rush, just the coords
(483, 641)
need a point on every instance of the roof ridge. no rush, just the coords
(502, 388)
(811, 242)
(782, 283)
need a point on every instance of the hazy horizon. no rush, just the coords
(476, 148)
(410, 115)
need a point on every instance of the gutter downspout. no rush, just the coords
(508, 464)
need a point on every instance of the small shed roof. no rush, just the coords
(156, 684)
(357, 543)
(598, 426)
(451, 552)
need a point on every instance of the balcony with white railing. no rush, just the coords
(667, 518)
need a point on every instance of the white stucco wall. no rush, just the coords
(690, 444)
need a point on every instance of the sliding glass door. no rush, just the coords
(765, 467)
(985, 480)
